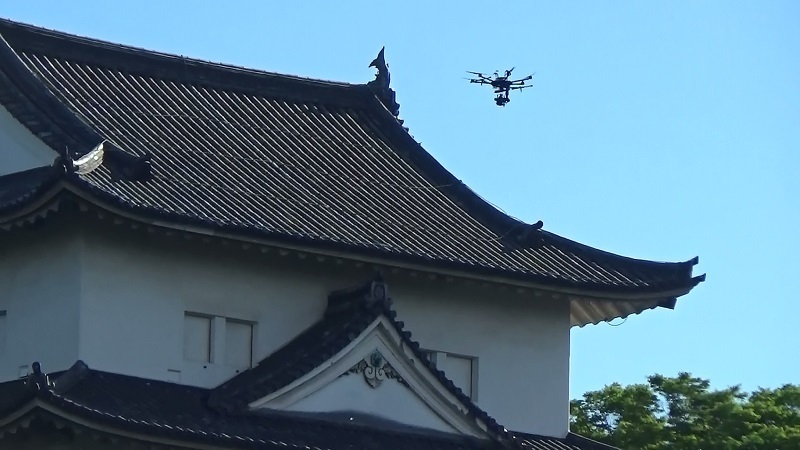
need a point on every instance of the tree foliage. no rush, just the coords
(684, 413)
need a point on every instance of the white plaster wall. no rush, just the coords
(521, 342)
(39, 289)
(136, 287)
(19, 148)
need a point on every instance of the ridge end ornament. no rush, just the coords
(380, 85)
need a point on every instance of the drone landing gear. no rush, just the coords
(501, 100)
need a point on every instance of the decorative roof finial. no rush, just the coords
(121, 164)
(380, 85)
(382, 78)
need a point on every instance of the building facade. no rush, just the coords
(198, 255)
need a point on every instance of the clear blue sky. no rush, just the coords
(654, 130)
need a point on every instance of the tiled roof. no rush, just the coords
(571, 442)
(309, 350)
(16, 188)
(113, 402)
(306, 162)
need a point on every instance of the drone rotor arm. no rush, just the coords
(522, 80)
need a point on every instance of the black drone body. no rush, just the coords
(502, 85)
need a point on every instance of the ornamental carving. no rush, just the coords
(375, 369)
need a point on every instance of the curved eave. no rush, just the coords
(65, 413)
(498, 221)
(21, 211)
(586, 311)
(36, 202)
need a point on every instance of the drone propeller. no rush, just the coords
(481, 77)
(529, 77)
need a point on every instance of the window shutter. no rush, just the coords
(238, 344)
(196, 338)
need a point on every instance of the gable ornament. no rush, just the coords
(380, 85)
(375, 369)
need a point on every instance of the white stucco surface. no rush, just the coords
(116, 297)
(40, 292)
(19, 148)
(137, 289)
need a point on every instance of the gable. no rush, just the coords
(377, 376)
(19, 148)
(358, 361)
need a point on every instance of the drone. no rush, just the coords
(502, 85)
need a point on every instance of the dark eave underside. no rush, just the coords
(312, 162)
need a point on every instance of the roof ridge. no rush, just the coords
(688, 263)
(142, 51)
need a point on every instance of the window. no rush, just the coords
(3, 326)
(238, 343)
(460, 369)
(196, 338)
(217, 340)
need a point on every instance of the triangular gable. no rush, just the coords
(358, 361)
(377, 375)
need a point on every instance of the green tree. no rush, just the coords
(684, 413)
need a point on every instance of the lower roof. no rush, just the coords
(158, 411)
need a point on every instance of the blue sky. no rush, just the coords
(654, 130)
